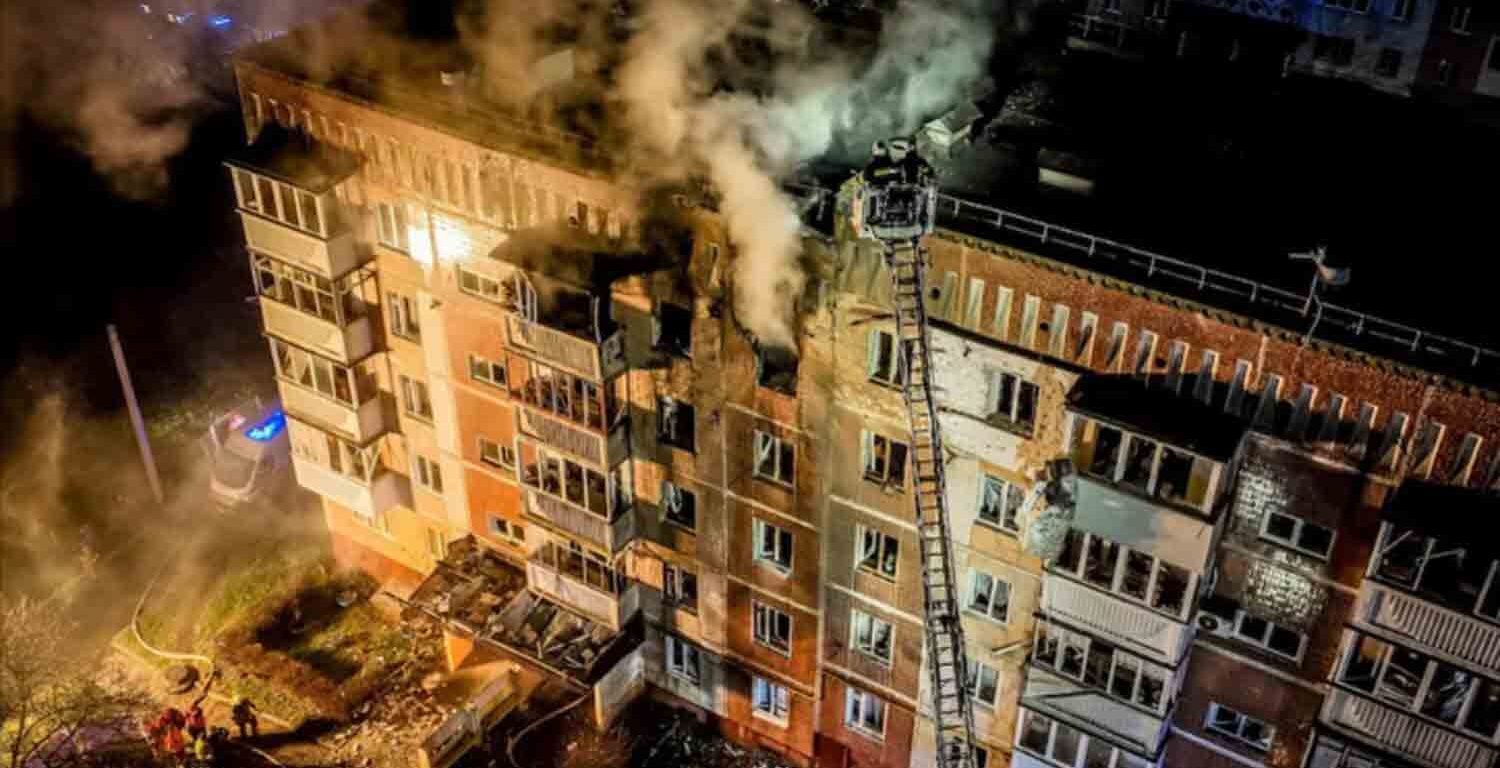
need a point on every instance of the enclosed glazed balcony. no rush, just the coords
(348, 474)
(574, 415)
(583, 581)
(577, 500)
(1125, 598)
(330, 317)
(1047, 742)
(1076, 677)
(1433, 579)
(284, 188)
(337, 398)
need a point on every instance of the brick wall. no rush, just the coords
(1215, 677)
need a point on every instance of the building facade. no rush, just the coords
(482, 332)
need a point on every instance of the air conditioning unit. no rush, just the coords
(1212, 624)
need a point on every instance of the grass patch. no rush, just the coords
(246, 588)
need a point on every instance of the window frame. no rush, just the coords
(876, 345)
(675, 647)
(858, 704)
(1242, 723)
(1291, 542)
(405, 323)
(884, 460)
(1007, 489)
(974, 682)
(507, 530)
(783, 543)
(490, 367)
(765, 625)
(1078, 570)
(769, 446)
(885, 546)
(677, 432)
(500, 453)
(675, 577)
(684, 497)
(661, 341)
(869, 645)
(410, 387)
(1008, 415)
(971, 594)
(428, 473)
(777, 701)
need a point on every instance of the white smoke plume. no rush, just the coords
(930, 54)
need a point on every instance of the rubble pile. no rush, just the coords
(385, 731)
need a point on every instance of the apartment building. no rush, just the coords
(1463, 52)
(488, 340)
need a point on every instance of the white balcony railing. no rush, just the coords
(609, 609)
(359, 423)
(612, 536)
(575, 355)
(602, 451)
(345, 344)
(1405, 733)
(1112, 618)
(329, 258)
(1431, 625)
(369, 500)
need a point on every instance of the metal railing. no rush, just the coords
(1155, 266)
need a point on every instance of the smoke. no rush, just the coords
(811, 103)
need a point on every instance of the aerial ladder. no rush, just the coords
(895, 204)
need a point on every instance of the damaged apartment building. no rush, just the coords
(528, 409)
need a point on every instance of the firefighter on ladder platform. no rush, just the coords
(894, 201)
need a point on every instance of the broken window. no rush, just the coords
(509, 530)
(1174, 476)
(1140, 456)
(772, 627)
(330, 379)
(774, 459)
(989, 596)
(1442, 571)
(496, 455)
(679, 506)
(884, 460)
(773, 545)
(879, 553)
(680, 587)
(883, 365)
(776, 368)
(1296, 533)
(682, 660)
(1000, 503)
(487, 371)
(871, 636)
(864, 711)
(1013, 401)
(1104, 449)
(983, 683)
(675, 423)
(1247, 730)
(770, 700)
(672, 330)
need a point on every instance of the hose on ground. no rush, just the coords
(510, 743)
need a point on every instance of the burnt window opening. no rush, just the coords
(675, 423)
(672, 330)
(776, 368)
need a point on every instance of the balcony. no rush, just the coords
(1429, 625)
(366, 499)
(328, 257)
(1057, 696)
(1129, 626)
(360, 423)
(346, 344)
(611, 536)
(601, 450)
(1405, 734)
(583, 585)
(573, 354)
(1143, 524)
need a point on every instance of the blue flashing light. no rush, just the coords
(267, 429)
(221, 21)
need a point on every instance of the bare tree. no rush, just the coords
(55, 705)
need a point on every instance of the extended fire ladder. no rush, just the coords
(952, 718)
